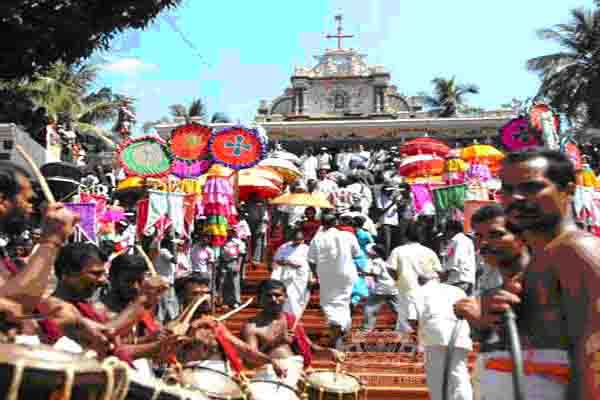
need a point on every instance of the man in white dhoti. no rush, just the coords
(331, 255)
(410, 261)
(291, 268)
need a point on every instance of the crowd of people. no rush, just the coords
(372, 248)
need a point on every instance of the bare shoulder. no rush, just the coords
(249, 328)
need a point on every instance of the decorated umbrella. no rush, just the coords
(261, 187)
(285, 168)
(318, 200)
(425, 145)
(517, 134)
(483, 154)
(265, 173)
(238, 147)
(421, 165)
(147, 156)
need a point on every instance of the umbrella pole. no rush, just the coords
(236, 188)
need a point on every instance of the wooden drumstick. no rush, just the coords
(181, 325)
(147, 259)
(235, 311)
(36, 171)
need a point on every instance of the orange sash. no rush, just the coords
(556, 372)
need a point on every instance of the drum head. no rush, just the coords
(46, 357)
(271, 390)
(334, 382)
(212, 383)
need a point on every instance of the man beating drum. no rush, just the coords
(271, 333)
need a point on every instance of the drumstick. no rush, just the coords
(147, 259)
(299, 317)
(190, 310)
(235, 311)
(36, 171)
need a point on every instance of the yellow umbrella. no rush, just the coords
(586, 177)
(265, 173)
(482, 152)
(318, 200)
(133, 182)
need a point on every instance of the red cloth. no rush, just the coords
(228, 348)
(10, 266)
(142, 217)
(346, 228)
(310, 228)
(150, 324)
(301, 340)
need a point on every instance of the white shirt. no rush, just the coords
(309, 167)
(326, 186)
(202, 256)
(411, 261)
(294, 254)
(384, 283)
(164, 265)
(434, 303)
(461, 259)
(333, 252)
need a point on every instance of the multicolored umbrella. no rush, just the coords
(316, 199)
(425, 145)
(517, 134)
(238, 147)
(190, 169)
(147, 156)
(421, 165)
(190, 142)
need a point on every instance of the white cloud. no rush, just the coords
(129, 66)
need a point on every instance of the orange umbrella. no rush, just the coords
(262, 187)
(318, 200)
(484, 153)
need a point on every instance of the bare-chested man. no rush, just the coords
(270, 332)
(507, 255)
(558, 300)
(212, 343)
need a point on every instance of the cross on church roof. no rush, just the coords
(340, 34)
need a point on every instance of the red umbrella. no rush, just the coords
(421, 165)
(425, 145)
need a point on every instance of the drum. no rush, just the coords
(139, 387)
(214, 384)
(40, 372)
(271, 390)
(329, 385)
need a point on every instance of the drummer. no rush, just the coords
(271, 332)
(146, 339)
(214, 346)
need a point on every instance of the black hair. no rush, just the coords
(9, 178)
(127, 262)
(487, 213)
(358, 221)
(270, 284)
(72, 257)
(414, 232)
(328, 220)
(195, 278)
(379, 250)
(560, 169)
(454, 226)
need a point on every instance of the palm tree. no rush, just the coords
(449, 95)
(571, 77)
(66, 91)
(220, 117)
(195, 109)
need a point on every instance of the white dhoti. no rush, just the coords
(335, 299)
(294, 366)
(497, 385)
(459, 385)
(296, 286)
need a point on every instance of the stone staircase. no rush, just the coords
(388, 364)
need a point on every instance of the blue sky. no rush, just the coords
(243, 51)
